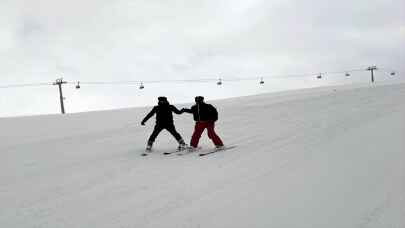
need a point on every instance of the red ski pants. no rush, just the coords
(199, 129)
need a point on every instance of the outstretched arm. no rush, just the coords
(188, 110)
(175, 110)
(150, 114)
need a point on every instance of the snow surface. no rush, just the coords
(325, 157)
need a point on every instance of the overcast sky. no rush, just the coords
(100, 40)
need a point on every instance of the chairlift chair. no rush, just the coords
(219, 82)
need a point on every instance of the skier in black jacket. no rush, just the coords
(164, 120)
(205, 116)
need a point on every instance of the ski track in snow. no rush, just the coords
(324, 157)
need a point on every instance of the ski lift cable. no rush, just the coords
(142, 81)
(24, 85)
(386, 69)
(226, 79)
(199, 80)
(344, 71)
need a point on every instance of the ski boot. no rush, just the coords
(191, 149)
(149, 147)
(182, 145)
(220, 147)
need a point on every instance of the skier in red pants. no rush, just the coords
(205, 116)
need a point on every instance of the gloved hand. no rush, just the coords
(143, 123)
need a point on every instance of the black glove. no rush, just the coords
(143, 123)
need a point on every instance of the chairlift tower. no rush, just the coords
(372, 69)
(59, 82)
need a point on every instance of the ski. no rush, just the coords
(216, 150)
(167, 153)
(173, 152)
(178, 150)
(189, 150)
(146, 153)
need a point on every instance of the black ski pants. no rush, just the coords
(159, 127)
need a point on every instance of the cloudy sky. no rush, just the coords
(120, 40)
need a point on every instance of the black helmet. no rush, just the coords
(199, 99)
(164, 99)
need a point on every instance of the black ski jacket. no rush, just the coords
(164, 114)
(203, 112)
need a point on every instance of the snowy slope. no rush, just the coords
(326, 157)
